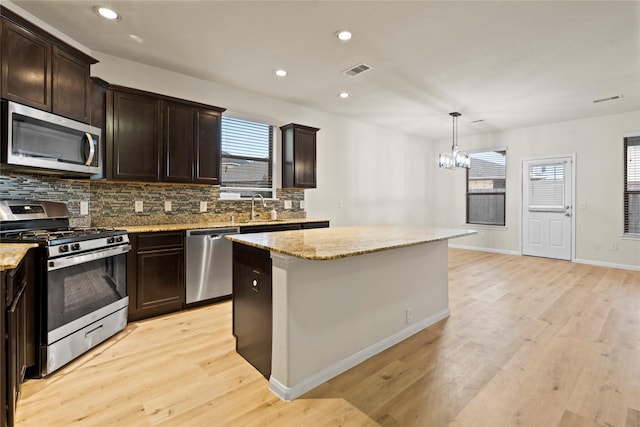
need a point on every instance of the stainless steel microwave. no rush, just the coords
(36, 139)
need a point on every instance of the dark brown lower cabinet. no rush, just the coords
(155, 274)
(252, 305)
(18, 333)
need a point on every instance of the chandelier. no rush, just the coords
(455, 159)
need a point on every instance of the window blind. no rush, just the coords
(486, 188)
(632, 185)
(247, 157)
(546, 188)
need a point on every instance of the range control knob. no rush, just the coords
(110, 240)
(75, 247)
(119, 239)
(64, 248)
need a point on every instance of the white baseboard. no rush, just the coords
(297, 390)
(576, 260)
(480, 249)
(607, 264)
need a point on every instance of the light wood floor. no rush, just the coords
(530, 342)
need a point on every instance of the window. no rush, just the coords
(632, 185)
(486, 188)
(247, 158)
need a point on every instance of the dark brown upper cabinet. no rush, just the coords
(152, 137)
(207, 146)
(43, 72)
(178, 142)
(298, 156)
(191, 144)
(133, 146)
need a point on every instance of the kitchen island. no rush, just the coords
(334, 297)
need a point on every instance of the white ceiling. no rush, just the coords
(512, 64)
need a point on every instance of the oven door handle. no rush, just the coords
(72, 260)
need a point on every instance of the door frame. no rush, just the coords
(573, 198)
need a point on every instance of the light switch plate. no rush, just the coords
(287, 204)
(84, 208)
(167, 205)
(139, 206)
(203, 206)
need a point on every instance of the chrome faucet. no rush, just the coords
(253, 209)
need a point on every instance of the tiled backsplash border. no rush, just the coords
(111, 204)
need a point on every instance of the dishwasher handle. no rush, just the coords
(213, 232)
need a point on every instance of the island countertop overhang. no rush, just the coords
(340, 242)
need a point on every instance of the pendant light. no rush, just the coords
(456, 158)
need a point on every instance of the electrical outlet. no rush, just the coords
(287, 204)
(583, 205)
(613, 246)
(409, 314)
(301, 204)
(167, 205)
(203, 206)
(341, 203)
(139, 207)
(84, 208)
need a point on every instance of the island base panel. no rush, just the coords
(252, 306)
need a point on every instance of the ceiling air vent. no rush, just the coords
(356, 69)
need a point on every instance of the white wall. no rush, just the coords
(597, 144)
(380, 175)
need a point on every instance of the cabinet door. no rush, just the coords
(178, 142)
(71, 86)
(16, 350)
(160, 282)
(26, 67)
(3, 350)
(304, 158)
(133, 127)
(207, 146)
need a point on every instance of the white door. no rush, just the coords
(547, 211)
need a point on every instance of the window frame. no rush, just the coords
(273, 150)
(625, 191)
(503, 193)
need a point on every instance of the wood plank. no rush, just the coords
(529, 342)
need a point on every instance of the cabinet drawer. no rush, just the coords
(160, 240)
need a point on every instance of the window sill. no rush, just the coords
(487, 227)
(630, 237)
(248, 199)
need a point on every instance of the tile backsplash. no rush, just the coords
(19, 185)
(111, 204)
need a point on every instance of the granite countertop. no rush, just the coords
(12, 253)
(221, 224)
(341, 242)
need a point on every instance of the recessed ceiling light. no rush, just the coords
(344, 94)
(344, 35)
(281, 73)
(107, 13)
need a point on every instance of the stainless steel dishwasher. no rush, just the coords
(208, 263)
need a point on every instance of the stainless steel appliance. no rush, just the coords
(208, 263)
(82, 294)
(35, 138)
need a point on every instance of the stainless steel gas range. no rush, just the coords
(82, 294)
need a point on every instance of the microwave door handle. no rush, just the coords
(92, 149)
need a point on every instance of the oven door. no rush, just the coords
(84, 288)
